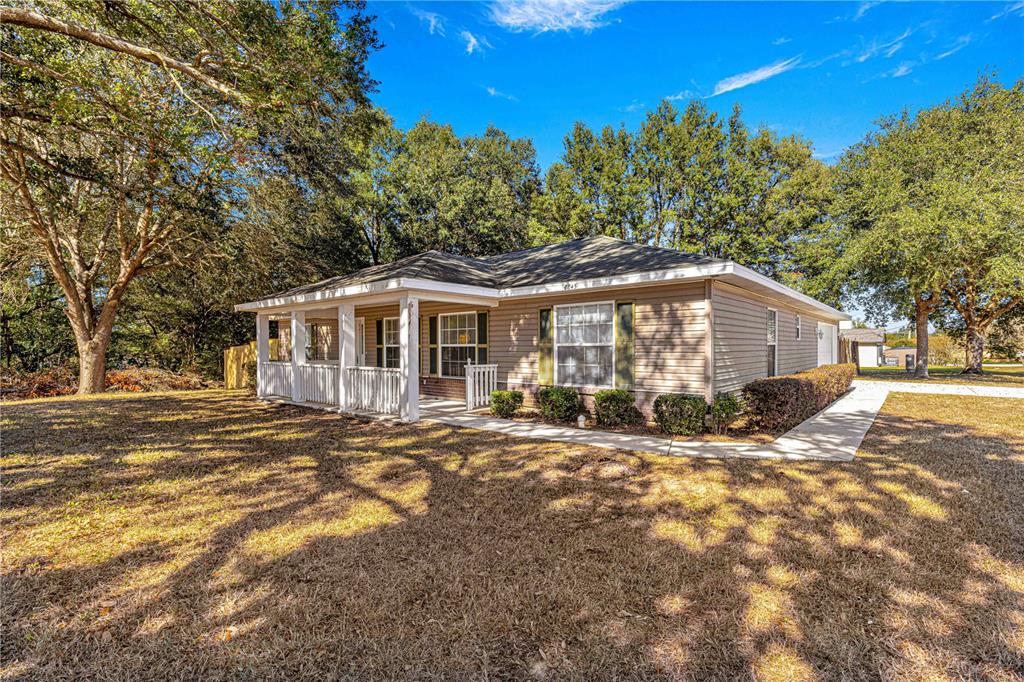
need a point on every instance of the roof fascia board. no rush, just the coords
(403, 285)
(364, 293)
(757, 278)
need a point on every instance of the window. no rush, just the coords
(458, 342)
(773, 339)
(392, 351)
(585, 344)
(319, 340)
(799, 328)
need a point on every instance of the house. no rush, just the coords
(898, 355)
(865, 345)
(591, 313)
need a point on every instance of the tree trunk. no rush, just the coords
(92, 368)
(975, 350)
(92, 354)
(922, 307)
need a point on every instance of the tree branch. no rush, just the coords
(34, 20)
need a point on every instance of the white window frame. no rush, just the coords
(799, 328)
(554, 336)
(776, 344)
(311, 345)
(441, 345)
(384, 342)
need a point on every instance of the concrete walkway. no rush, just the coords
(945, 389)
(832, 435)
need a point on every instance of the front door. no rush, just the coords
(828, 343)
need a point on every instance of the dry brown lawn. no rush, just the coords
(992, 375)
(205, 536)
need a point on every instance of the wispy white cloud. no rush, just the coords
(763, 73)
(541, 16)
(886, 47)
(959, 44)
(901, 70)
(434, 21)
(474, 43)
(782, 40)
(682, 94)
(494, 92)
(1009, 9)
(864, 7)
(633, 106)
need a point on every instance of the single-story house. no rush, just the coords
(898, 355)
(865, 345)
(590, 313)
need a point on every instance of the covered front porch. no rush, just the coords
(322, 360)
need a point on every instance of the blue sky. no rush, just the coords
(821, 70)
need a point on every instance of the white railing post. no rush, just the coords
(298, 352)
(409, 348)
(346, 351)
(262, 353)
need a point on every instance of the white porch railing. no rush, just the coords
(480, 381)
(276, 378)
(319, 383)
(374, 389)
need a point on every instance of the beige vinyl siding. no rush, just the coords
(741, 338)
(796, 356)
(668, 341)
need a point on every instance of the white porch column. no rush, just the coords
(298, 352)
(262, 352)
(409, 348)
(346, 349)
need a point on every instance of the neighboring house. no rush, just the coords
(865, 345)
(898, 355)
(590, 313)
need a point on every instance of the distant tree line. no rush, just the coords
(164, 161)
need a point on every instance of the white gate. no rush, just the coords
(480, 381)
(276, 379)
(374, 389)
(319, 383)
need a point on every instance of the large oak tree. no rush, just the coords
(128, 125)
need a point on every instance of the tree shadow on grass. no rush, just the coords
(209, 536)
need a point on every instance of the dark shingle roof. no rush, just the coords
(586, 258)
(432, 265)
(863, 335)
(575, 259)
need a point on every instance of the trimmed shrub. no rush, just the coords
(559, 403)
(613, 407)
(724, 411)
(780, 403)
(680, 414)
(504, 404)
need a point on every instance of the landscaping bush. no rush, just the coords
(58, 381)
(505, 403)
(780, 403)
(680, 414)
(724, 411)
(614, 407)
(559, 403)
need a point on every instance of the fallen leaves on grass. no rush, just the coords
(205, 535)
